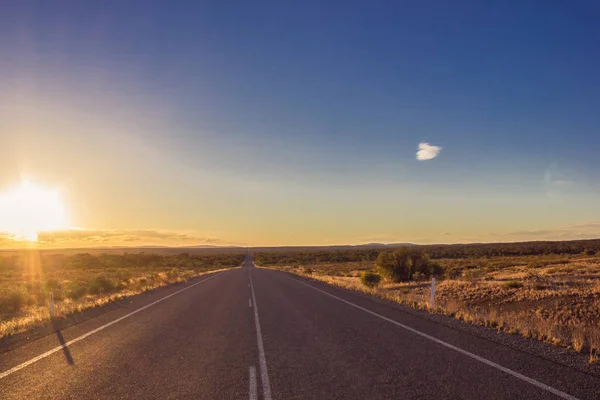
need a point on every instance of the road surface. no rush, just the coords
(251, 333)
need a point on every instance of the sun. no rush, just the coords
(29, 209)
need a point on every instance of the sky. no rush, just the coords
(303, 123)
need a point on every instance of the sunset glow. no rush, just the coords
(29, 209)
(174, 131)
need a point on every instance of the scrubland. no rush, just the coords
(554, 298)
(82, 281)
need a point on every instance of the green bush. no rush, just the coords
(395, 266)
(370, 279)
(404, 263)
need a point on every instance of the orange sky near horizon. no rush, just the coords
(32, 216)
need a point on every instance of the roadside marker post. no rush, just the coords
(52, 314)
(432, 298)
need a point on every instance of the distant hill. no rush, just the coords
(590, 246)
(385, 245)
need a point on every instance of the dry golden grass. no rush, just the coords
(34, 316)
(553, 299)
(26, 282)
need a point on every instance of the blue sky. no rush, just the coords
(326, 102)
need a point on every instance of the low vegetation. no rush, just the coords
(82, 281)
(534, 290)
(344, 254)
(405, 264)
(370, 279)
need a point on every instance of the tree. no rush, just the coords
(405, 263)
(396, 266)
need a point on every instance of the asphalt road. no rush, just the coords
(252, 333)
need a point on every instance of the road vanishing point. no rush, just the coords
(252, 333)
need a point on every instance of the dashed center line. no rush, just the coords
(253, 387)
(264, 375)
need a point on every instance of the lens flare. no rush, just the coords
(29, 209)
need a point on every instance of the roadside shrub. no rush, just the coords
(452, 273)
(578, 338)
(308, 271)
(403, 263)
(370, 279)
(52, 285)
(173, 273)
(75, 290)
(13, 300)
(395, 266)
(513, 285)
(436, 269)
(160, 278)
(101, 284)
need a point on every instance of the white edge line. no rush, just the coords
(77, 339)
(264, 375)
(253, 388)
(450, 346)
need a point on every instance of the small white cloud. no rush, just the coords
(427, 151)
(555, 177)
(557, 183)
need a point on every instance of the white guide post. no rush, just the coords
(432, 298)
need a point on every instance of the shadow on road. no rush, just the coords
(63, 343)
